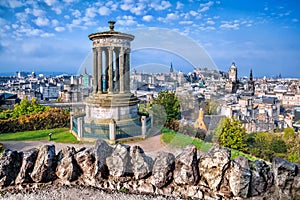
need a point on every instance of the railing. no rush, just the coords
(128, 130)
(93, 130)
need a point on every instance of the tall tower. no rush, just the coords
(251, 84)
(233, 73)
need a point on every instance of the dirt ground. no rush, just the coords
(151, 145)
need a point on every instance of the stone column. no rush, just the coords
(112, 131)
(144, 126)
(121, 71)
(110, 70)
(99, 68)
(117, 83)
(80, 127)
(127, 71)
(95, 69)
(106, 69)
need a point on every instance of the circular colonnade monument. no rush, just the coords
(111, 111)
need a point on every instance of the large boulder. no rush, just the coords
(10, 163)
(29, 159)
(85, 159)
(119, 163)
(102, 151)
(186, 167)
(240, 177)
(45, 165)
(163, 167)
(262, 177)
(141, 164)
(284, 175)
(67, 167)
(213, 165)
(296, 184)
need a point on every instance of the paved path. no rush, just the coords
(151, 145)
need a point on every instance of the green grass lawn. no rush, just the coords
(61, 135)
(179, 140)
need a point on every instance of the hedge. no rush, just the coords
(52, 118)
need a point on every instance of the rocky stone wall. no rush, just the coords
(212, 175)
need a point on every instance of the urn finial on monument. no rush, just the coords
(111, 25)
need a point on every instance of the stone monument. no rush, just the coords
(111, 112)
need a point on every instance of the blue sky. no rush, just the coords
(51, 35)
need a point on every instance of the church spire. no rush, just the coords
(251, 75)
(171, 68)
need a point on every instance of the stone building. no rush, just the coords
(232, 82)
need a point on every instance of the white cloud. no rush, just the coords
(70, 1)
(230, 26)
(67, 17)
(57, 10)
(148, 18)
(90, 12)
(162, 6)
(47, 34)
(76, 13)
(193, 13)
(50, 2)
(59, 29)
(22, 17)
(210, 21)
(104, 10)
(11, 3)
(42, 21)
(208, 4)
(138, 9)
(186, 22)
(54, 22)
(179, 5)
(204, 9)
(15, 26)
(295, 20)
(171, 16)
(126, 20)
(37, 12)
(126, 6)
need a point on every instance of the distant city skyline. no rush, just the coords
(51, 35)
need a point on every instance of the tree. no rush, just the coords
(231, 134)
(209, 107)
(289, 134)
(169, 101)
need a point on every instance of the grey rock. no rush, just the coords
(67, 167)
(240, 177)
(10, 163)
(296, 184)
(45, 165)
(186, 167)
(102, 151)
(262, 177)
(146, 188)
(162, 173)
(86, 162)
(284, 173)
(119, 163)
(29, 159)
(141, 164)
(213, 165)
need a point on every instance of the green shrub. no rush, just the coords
(52, 118)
